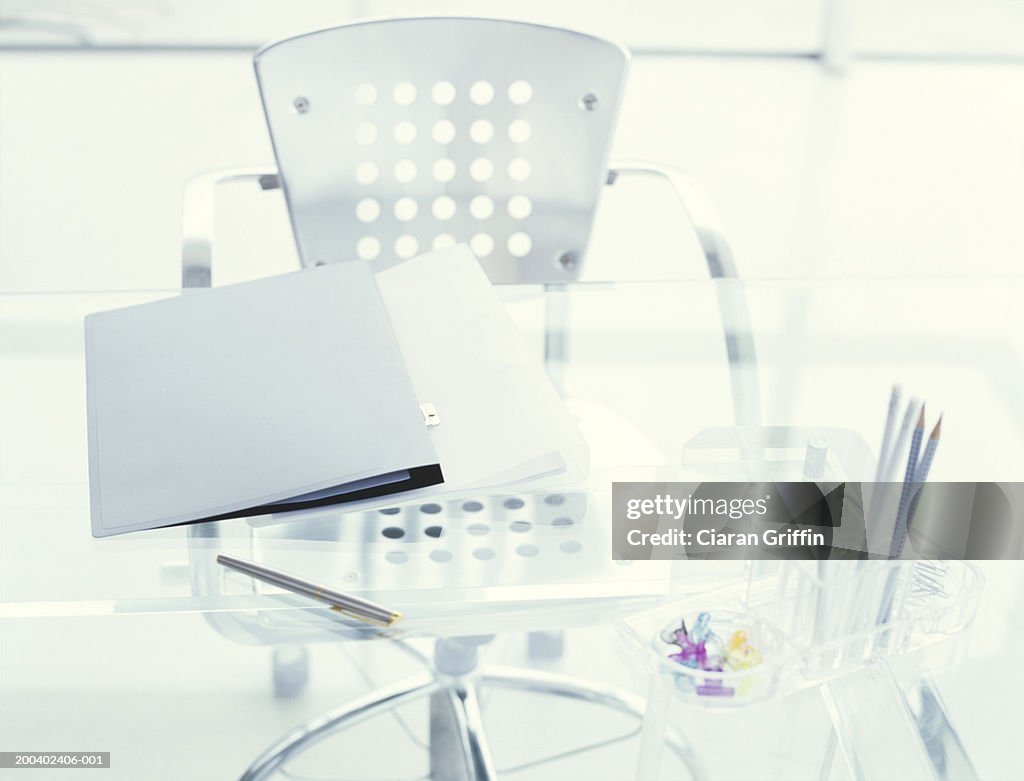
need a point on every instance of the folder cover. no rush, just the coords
(266, 396)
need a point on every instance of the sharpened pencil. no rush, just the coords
(899, 533)
(892, 468)
(923, 469)
(887, 434)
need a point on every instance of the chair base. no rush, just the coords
(458, 747)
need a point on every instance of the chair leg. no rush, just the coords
(594, 692)
(290, 670)
(545, 645)
(478, 753)
(348, 715)
(445, 741)
(456, 731)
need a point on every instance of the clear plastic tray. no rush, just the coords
(812, 621)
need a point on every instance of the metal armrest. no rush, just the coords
(697, 204)
(197, 261)
(732, 301)
(198, 215)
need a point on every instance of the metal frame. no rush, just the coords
(198, 214)
(700, 209)
(348, 715)
(697, 205)
(200, 200)
(461, 697)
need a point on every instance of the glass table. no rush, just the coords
(646, 373)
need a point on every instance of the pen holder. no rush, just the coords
(840, 615)
(811, 621)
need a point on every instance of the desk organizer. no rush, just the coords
(810, 621)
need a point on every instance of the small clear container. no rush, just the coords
(646, 634)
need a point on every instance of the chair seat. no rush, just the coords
(475, 564)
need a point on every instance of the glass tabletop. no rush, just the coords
(647, 374)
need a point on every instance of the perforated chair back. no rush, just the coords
(393, 137)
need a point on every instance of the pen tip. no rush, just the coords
(920, 418)
(938, 428)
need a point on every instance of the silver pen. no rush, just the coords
(362, 609)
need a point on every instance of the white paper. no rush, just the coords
(502, 421)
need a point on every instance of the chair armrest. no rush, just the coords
(697, 204)
(732, 300)
(198, 214)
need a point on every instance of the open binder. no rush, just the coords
(326, 386)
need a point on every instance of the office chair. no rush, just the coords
(396, 136)
(393, 137)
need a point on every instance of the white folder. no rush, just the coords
(312, 389)
(221, 402)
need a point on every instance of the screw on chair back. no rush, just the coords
(397, 136)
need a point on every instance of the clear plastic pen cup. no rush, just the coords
(839, 615)
(810, 621)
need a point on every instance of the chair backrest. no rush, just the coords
(396, 136)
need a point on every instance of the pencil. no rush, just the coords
(920, 475)
(874, 508)
(899, 533)
(924, 468)
(890, 425)
(929, 452)
(878, 530)
(892, 468)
